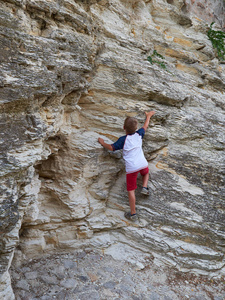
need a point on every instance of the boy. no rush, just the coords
(133, 155)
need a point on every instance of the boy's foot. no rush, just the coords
(129, 216)
(145, 191)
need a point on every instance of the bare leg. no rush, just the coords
(132, 199)
(145, 180)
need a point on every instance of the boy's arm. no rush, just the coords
(105, 145)
(148, 117)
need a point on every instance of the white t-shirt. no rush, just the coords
(132, 151)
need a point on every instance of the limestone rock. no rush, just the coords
(70, 73)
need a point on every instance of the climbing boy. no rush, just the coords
(134, 158)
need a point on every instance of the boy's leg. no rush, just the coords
(132, 200)
(145, 180)
(131, 186)
(145, 177)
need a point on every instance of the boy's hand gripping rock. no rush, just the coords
(150, 113)
(148, 117)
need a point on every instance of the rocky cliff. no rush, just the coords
(71, 71)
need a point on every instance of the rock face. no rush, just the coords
(71, 72)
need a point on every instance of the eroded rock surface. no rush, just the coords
(88, 274)
(71, 72)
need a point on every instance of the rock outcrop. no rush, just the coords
(71, 72)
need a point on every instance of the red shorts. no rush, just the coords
(132, 179)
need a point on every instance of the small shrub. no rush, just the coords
(152, 60)
(217, 38)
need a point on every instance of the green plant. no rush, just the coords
(152, 60)
(217, 38)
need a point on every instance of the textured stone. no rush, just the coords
(69, 283)
(71, 72)
(22, 284)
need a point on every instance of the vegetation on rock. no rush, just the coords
(217, 37)
(161, 63)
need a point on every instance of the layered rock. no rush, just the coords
(71, 72)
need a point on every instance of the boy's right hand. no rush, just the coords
(150, 113)
(148, 116)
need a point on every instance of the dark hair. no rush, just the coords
(130, 125)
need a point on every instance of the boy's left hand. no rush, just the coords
(100, 140)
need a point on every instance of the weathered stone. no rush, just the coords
(22, 284)
(31, 275)
(69, 283)
(71, 72)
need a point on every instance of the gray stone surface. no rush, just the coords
(103, 281)
(71, 71)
